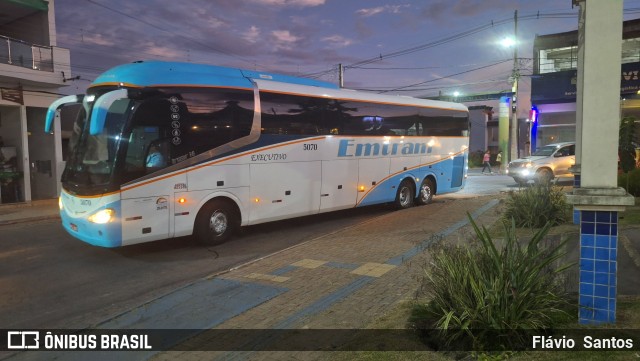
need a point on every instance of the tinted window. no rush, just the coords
(566, 151)
(545, 151)
(176, 124)
(302, 115)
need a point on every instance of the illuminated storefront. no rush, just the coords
(554, 83)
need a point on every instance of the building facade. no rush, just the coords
(554, 83)
(483, 129)
(32, 70)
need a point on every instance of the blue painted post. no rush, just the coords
(598, 266)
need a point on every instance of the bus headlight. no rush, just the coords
(102, 216)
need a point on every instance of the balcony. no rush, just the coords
(42, 66)
(19, 53)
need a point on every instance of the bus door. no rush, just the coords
(147, 205)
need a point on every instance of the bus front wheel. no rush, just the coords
(216, 222)
(405, 196)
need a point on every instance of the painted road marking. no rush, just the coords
(264, 277)
(309, 263)
(373, 269)
(186, 312)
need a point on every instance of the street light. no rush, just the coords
(508, 42)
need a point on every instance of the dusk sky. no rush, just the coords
(402, 47)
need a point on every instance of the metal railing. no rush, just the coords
(20, 53)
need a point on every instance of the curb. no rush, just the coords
(36, 203)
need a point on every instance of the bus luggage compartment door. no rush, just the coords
(145, 219)
(339, 184)
(284, 190)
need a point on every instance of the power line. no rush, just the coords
(446, 40)
(216, 49)
(445, 77)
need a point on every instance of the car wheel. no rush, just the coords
(216, 222)
(426, 192)
(521, 182)
(544, 176)
(406, 195)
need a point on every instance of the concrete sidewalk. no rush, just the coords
(34, 211)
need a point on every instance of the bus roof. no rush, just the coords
(162, 73)
(170, 74)
(354, 95)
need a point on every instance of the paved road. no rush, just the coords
(487, 184)
(50, 280)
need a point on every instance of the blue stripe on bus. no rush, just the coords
(386, 190)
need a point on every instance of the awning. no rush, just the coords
(41, 5)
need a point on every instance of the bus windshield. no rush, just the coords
(90, 168)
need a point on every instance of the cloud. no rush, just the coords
(284, 39)
(252, 35)
(337, 41)
(370, 11)
(97, 39)
(164, 52)
(442, 10)
(291, 3)
(392, 9)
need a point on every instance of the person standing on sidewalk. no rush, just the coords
(499, 161)
(486, 161)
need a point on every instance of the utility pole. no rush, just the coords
(513, 129)
(341, 75)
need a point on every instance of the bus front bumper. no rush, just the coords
(104, 235)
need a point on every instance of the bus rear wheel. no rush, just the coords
(406, 195)
(216, 222)
(426, 192)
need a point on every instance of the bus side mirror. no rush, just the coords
(53, 108)
(101, 108)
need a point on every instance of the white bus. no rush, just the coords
(164, 149)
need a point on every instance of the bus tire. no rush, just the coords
(426, 192)
(405, 195)
(216, 222)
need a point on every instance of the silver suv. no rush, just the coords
(546, 163)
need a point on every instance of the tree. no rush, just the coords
(626, 147)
